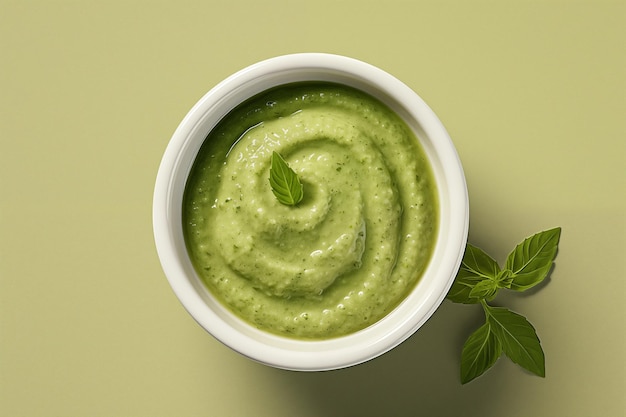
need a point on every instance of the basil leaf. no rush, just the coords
(480, 351)
(485, 289)
(462, 287)
(532, 259)
(475, 267)
(518, 338)
(285, 183)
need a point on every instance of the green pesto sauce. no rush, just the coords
(355, 245)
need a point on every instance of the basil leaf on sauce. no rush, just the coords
(285, 183)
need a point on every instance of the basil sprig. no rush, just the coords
(285, 183)
(479, 280)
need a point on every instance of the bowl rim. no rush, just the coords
(295, 354)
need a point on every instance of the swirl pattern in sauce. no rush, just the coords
(350, 251)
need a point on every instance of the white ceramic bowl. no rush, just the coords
(270, 349)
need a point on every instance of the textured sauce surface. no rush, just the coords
(355, 245)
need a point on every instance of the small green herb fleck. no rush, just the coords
(285, 183)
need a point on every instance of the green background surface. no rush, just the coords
(532, 93)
